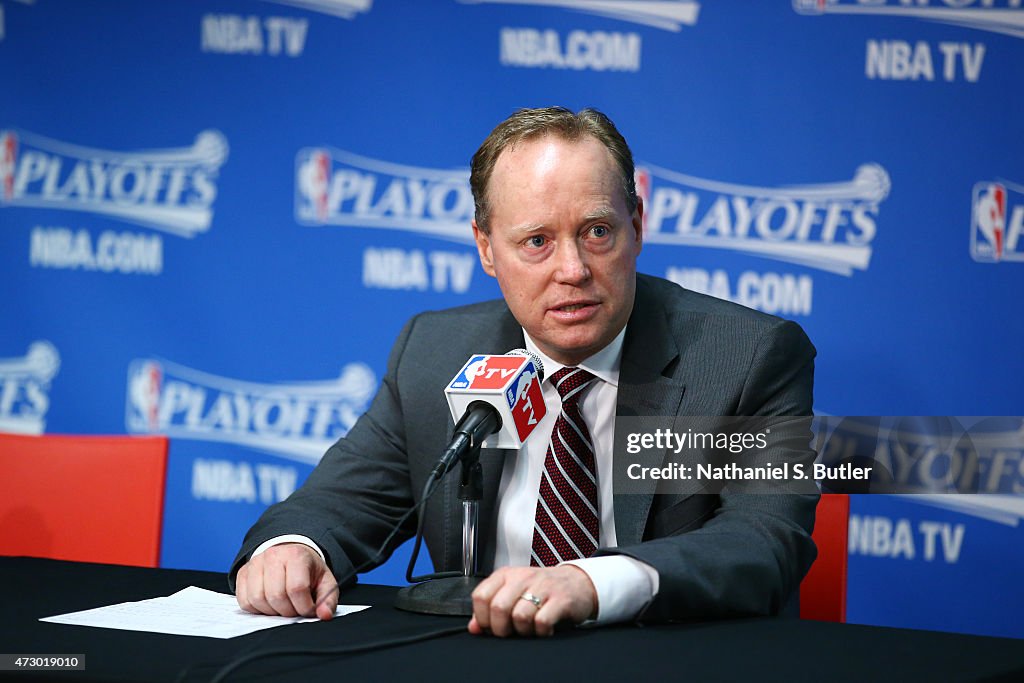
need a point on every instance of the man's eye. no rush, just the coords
(536, 242)
(600, 231)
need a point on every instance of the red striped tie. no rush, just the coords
(567, 521)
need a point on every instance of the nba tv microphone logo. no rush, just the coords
(335, 187)
(828, 226)
(997, 16)
(25, 388)
(487, 372)
(299, 420)
(997, 222)
(516, 379)
(166, 189)
(526, 400)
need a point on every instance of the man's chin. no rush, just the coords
(573, 353)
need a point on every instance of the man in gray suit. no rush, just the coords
(559, 224)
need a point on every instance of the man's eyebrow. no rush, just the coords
(601, 213)
(598, 214)
(526, 228)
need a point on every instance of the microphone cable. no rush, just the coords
(428, 490)
(419, 539)
(239, 662)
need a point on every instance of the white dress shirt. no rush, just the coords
(624, 585)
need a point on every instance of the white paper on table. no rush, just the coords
(191, 611)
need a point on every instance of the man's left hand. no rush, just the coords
(502, 604)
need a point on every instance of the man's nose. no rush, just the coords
(571, 267)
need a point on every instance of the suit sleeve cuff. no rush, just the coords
(288, 538)
(624, 586)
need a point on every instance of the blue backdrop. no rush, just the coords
(215, 217)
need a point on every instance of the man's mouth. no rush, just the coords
(571, 311)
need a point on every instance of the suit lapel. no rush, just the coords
(648, 351)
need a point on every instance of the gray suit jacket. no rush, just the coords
(683, 354)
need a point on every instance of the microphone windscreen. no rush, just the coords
(537, 362)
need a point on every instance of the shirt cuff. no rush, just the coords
(288, 538)
(624, 585)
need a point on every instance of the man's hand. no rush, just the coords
(565, 593)
(287, 580)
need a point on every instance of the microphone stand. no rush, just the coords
(452, 596)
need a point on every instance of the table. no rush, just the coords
(739, 649)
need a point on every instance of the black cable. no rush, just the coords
(333, 651)
(416, 546)
(428, 490)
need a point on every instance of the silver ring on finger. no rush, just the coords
(530, 597)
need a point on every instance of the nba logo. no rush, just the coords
(988, 224)
(8, 159)
(642, 182)
(474, 367)
(997, 222)
(811, 6)
(315, 181)
(144, 386)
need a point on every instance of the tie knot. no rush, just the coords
(570, 383)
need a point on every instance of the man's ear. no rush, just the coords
(638, 223)
(483, 246)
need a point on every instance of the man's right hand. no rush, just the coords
(287, 580)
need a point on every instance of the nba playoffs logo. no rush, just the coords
(998, 16)
(668, 15)
(172, 190)
(997, 222)
(299, 420)
(346, 9)
(335, 187)
(829, 226)
(25, 388)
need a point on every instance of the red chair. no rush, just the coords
(83, 498)
(823, 591)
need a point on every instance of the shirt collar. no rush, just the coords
(604, 364)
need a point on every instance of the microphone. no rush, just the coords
(500, 402)
(496, 401)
